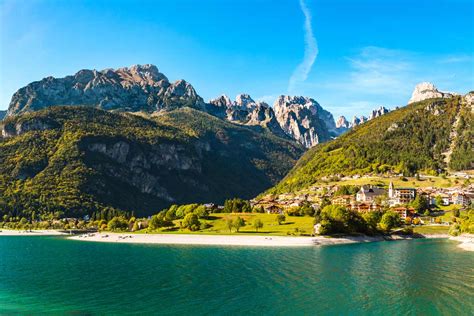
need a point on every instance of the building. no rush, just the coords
(460, 199)
(366, 207)
(273, 209)
(342, 200)
(369, 194)
(404, 212)
(400, 196)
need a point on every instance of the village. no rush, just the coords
(369, 198)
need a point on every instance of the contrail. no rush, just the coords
(310, 51)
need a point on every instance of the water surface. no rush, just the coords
(53, 275)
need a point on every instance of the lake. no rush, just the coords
(53, 275)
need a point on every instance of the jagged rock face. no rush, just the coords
(138, 167)
(469, 99)
(137, 88)
(427, 90)
(378, 112)
(223, 101)
(355, 121)
(342, 122)
(2, 114)
(264, 115)
(304, 119)
(245, 101)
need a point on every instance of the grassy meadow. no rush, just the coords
(293, 225)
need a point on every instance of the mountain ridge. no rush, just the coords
(142, 88)
(81, 159)
(408, 140)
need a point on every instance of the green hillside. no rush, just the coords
(408, 140)
(78, 160)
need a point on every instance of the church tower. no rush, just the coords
(391, 192)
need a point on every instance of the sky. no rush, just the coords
(351, 56)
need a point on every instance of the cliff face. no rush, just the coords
(304, 120)
(137, 88)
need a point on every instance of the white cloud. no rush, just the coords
(310, 51)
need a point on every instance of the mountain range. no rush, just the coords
(129, 139)
(142, 88)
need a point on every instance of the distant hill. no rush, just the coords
(430, 136)
(80, 159)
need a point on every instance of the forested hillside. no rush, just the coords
(78, 160)
(408, 140)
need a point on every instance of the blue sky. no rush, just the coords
(348, 55)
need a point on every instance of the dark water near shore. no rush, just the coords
(51, 275)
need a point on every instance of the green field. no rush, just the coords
(294, 225)
(430, 230)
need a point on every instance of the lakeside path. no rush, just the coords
(466, 241)
(225, 240)
(45, 232)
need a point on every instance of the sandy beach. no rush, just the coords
(7, 232)
(224, 240)
(466, 241)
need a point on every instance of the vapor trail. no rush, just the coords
(310, 51)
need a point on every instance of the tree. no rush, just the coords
(258, 209)
(230, 224)
(280, 218)
(325, 202)
(420, 204)
(257, 224)
(238, 223)
(456, 212)
(439, 200)
(337, 219)
(118, 223)
(191, 221)
(155, 222)
(201, 211)
(389, 220)
(307, 210)
(372, 219)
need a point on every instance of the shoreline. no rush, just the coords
(40, 232)
(466, 241)
(234, 240)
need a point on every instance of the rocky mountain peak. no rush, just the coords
(304, 119)
(147, 74)
(135, 88)
(342, 122)
(244, 100)
(427, 90)
(222, 101)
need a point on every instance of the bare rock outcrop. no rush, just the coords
(135, 88)
(427, 90)
(304, 119)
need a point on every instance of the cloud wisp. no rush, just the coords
(310, 51)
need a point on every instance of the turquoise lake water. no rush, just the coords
(52, 275)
